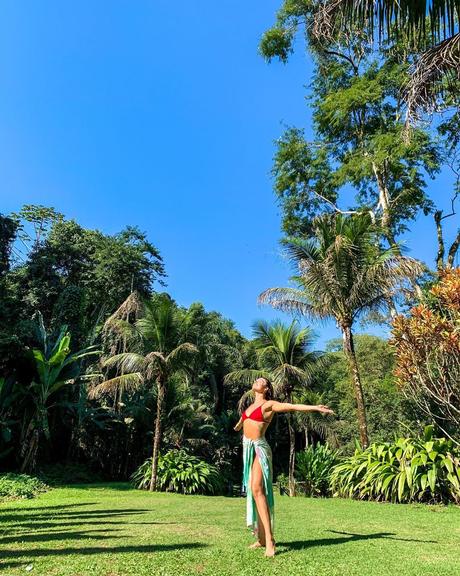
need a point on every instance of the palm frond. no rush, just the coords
(124, 382)
(391, 17)
(132, 306)
(289, 374)
(288, 300)
(301, 249)
(126, 362)
(245, 377)
(182, 353)
(435, 75)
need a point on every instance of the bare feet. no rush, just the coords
(257, 544)
(270, 549)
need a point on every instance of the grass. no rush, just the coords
(112, 530)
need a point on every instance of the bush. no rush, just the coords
(407, 470)
(71, 473)
(313, 470)
(283, 482)
(15, 486)
(180, 472)
(427, 346)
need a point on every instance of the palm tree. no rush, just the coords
(343, 273)
(56, 366)
(287, 361)
(437, 71)
(153, 352)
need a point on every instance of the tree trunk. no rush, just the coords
(349, 350)
(291, 452)
(384, 204)
(157, 436)
(387, 224)
(453, 251)
(30, 452)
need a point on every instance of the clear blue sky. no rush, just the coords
(159, 114)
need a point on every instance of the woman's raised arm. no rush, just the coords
(286, 407)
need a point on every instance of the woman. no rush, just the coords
(257, 460)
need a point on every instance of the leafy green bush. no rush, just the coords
(410, 469)
(282, 480)
(180, 472)
(313, 470)
(68, 473)
(13, 486)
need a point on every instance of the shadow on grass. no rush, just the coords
(36, 553)
(348, 537)
(84, 514)
(102, 485)
(45, 525)
(57, 507)
(57, 535)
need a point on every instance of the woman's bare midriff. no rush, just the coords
(254, 430)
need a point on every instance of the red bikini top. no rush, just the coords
(255, 415)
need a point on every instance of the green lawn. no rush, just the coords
(111, 530)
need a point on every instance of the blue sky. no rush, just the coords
(160, 114)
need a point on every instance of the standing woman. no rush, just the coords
(258, 460)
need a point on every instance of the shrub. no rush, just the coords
(407, 470)
(313, 470)
(282, 480)
(427, 347)
(15, 486)
(180, 472)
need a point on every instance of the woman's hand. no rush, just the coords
(322, 409)
(238, 425)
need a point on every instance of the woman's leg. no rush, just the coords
(263, 513)
(260, 534)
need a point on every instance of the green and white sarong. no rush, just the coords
(262, 448)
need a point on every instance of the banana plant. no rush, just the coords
(55, 367)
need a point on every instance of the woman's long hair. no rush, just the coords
(269, 393)
(248, 397)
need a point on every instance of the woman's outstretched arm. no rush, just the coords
(286, 407)
(238, 425)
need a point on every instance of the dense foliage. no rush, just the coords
(423, 469)
(313, 470)
(180, 472)
(427, 346)
(14, 486)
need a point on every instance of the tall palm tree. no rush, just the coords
(55, 366)
(437, 71)
(155, 350)
(342, 273)
(285, 355)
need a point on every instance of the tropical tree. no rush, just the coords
(56, 366)
(434, 76)
(286, 359)
(358, 141)
(427, 350)
(77, 276)
(342, 274)
(153, 350)
(436, 72)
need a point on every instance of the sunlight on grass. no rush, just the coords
(111, 530)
